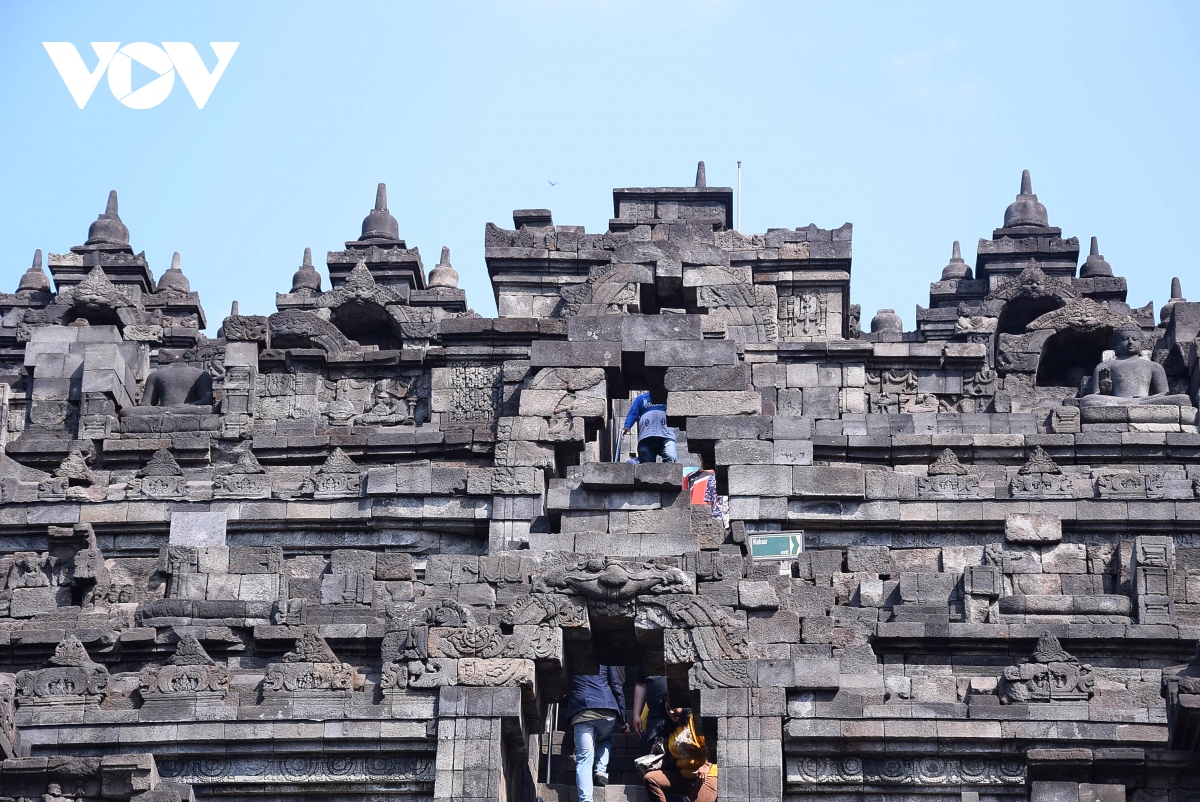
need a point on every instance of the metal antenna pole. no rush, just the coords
(738, 225)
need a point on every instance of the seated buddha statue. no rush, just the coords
(175, 388)
(1130, 379)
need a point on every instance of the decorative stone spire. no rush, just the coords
(360, 278)
(311, 648)
(173, 279)
(1095, 265)
(97, 287)
(162, 463)
(1026, 210)
(379, 223)
(957, 267)
(338, 462)
(443, 275)
(947, 464)
(108, 228)
(75, 470)
(1176, 298)
(886, 320)
(307, 280)
(189, 652)
(701, 179)
(35, 279)
(70, 652)
(1039, 462)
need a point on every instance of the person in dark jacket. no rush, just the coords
(655, 438)
(648, 712)
(595, 707)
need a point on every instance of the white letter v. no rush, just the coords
(196, 77)
(80, 83)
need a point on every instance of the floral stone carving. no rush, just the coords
(245, 479)
(162, 477)
(1050, 675)
(338, 477)
(495, 672)
(1040, 477)
(70, 680)
(311, 666)
(190, 675)
(948, 479)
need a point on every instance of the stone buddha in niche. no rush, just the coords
(1130, 379)
(175, 388)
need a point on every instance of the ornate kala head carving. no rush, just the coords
(359, 289)
(97, 292)
(1082, 314)
(1032, 282)
(607, 579)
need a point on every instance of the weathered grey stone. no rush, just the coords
(691, 403)
(839, 481)
(757, 596)
(197, 529)
(405, 527)
(1026, 528)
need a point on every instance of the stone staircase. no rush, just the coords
(557, 792)
(625, 782)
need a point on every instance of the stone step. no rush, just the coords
(555, 792)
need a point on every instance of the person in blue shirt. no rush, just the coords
(595, 707)
(655, 438)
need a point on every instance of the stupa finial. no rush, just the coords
(174, 279)
(1095, 266)
(1164, 314)
(1026, 210)
(34, 280)
(307, 280)
(379, 225)
(108, 228)
(443, 273)
(957, 267)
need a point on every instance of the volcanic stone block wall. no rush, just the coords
(359, 546)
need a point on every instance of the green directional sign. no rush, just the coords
(776, 547)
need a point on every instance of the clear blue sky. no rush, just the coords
(911, 120)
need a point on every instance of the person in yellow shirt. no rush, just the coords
(686, 770)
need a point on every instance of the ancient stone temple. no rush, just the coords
(355, 550)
